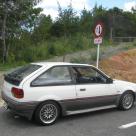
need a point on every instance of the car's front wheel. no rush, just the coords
(126, 101)
(47, 113)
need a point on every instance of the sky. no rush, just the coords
(50, 7)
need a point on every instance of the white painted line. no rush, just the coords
(128, 125)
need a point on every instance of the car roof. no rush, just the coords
(59, 63)
(51, 64)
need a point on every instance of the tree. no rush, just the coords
(68, 20)
(15, 16)
(42, 31)
(86, 22)
(100, 14)
(123, 22)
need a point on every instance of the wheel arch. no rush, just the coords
(129, 90)
(49, 100)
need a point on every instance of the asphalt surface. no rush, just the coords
(100, 123)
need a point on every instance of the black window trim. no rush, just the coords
(76, 83)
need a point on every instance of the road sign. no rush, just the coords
(98, 31)
(98, 38)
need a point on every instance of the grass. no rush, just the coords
(89, 58)
(7, 66)
(105, 52)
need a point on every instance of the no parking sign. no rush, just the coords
(98, 32)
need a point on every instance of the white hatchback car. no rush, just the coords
(47, 90)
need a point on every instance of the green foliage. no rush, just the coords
(94, 56)
(78, 60)
(86, 22)
(47, 49)
(31, 36)
(134, 43)
(8, 66)
(68, 20)
(42, 31)
(15, 16)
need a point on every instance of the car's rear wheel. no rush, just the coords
(47, 113)
(126, 101)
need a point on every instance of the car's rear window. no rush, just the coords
(16, 76)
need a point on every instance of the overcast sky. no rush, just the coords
(50, 7)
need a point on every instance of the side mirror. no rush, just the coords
(109, 81)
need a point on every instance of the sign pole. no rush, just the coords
(98, 54)
(98, 33)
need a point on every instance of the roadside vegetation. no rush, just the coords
(82, 56)
(27, 35)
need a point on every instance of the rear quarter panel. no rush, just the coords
(42, 93)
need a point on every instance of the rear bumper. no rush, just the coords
(25, 109)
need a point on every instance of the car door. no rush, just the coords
(92, 88)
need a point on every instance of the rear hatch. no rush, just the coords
(15, 77)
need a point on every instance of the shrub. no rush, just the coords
(134, 43)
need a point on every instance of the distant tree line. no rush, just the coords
(27, 35)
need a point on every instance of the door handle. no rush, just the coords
(83, 89)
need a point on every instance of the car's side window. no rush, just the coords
(58, 75)
(87, 74)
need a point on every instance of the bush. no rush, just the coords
(27, 51)
(134, 43)
(94, 56)
(78, 60)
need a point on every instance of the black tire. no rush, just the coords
(126, 101)
(44, 112)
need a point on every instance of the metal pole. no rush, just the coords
(98, 52)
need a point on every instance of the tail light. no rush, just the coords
(17, 93)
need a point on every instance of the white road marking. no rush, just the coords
(128, 125)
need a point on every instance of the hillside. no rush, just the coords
(121, 66)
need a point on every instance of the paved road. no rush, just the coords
(100, 123)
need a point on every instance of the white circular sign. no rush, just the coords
(98, 30)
